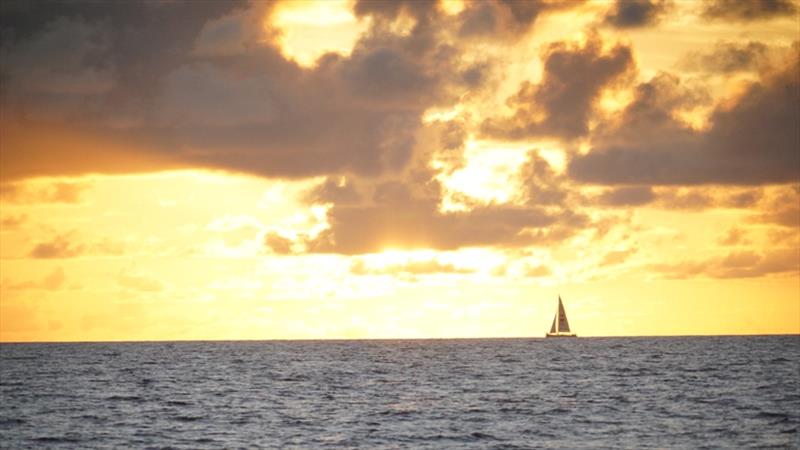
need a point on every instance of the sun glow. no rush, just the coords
(312, 28)
(487, 175)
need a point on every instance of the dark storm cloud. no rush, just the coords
(727, 57)
(636, 13)
(181, 85)
(748, 10)
(562, 104)
(754, 142)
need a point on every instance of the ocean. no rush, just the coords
(665, 392)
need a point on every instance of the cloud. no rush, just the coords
(788, 216)
(743, 199)
(59, 247)
(636, 13)
(278, 244)
(505, 19)
(55, 279)
(167, 89)
(628, 196)
(13, 222)
(52, 281)
(563, 103)
(139, 282)
(727, 57)
(67, 245)
(69, 192)
(740, 264)
(685, 199)
(754, 142)
(538, 271)
(419, 9)
(333, 190)
(694, 198)
(419, 267)
(782, 208)
(617, 257)
(404, 213)
(369, 229)
(734, 236)
(543, 186)
(748, 10)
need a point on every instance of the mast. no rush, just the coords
(558, 314)
(563, 323)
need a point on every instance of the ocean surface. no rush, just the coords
(679, 392)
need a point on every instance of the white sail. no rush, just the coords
(553, 326)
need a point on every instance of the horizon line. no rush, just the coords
(127, 341)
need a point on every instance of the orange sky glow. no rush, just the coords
(369, 169)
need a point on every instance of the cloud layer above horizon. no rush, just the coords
(95, 87)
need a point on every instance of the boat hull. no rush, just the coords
(560, 335)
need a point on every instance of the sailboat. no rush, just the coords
(560, 326)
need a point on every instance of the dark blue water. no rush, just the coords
(688, 392)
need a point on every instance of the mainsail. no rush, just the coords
(563, 325)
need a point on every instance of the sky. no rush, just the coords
(405, 169)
